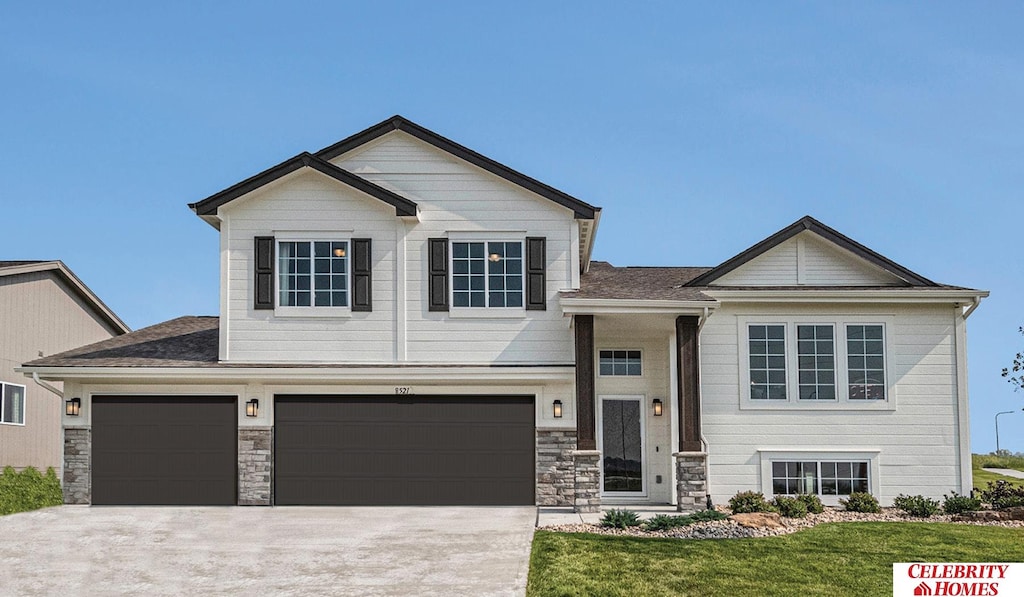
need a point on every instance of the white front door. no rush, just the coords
(621, 433)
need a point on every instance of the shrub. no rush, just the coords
(790, 507)
(749, 501)
(620, 518)
(957, 504)
(707, 516)
(1002, 494)
(917, 505)
(28, 490)
(812, 502)
(860, 501)
(664, 522)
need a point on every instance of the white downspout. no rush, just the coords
(43, 384)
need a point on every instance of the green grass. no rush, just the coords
(983, 476)
(830, 559)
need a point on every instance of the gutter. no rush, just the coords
(976, 303)
(43, 384)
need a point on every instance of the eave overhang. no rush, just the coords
(571, 306)
(960, 297)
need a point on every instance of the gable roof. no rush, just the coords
(13, 268)
(807, 223)
(580, 209)
(209, 206)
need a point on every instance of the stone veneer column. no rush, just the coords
(77, 482)
(556, 472)
(255, 466)
(588, 481)
(691, 481)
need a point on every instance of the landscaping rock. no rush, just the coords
(758, 520)
(1015, 513)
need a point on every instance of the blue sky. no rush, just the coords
(700, 130)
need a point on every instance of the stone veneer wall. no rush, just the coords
(556, 474)
(588, 481)
(77, 482)
(255, 466)
(691, 481)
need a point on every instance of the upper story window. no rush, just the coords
(835, 362)
(312, 273)
(620, 363)
(487, 274)
(12, 404)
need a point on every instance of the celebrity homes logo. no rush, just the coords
(957, 580)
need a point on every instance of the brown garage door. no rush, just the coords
(164, 450)
(417, 450)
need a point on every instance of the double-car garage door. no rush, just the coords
(328, 450)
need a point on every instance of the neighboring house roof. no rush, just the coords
(14, 268)
(605, 281)
(581, 209)
(807, 223)
(209, 206)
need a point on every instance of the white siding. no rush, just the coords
(453, 197)
(918, 441)
(807, 259)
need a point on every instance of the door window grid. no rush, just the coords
(865, 350)
(620, 363)
(487, 274)
(767, 362)
(816, 362)
(313, 273)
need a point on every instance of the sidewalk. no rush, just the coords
(1008, 472)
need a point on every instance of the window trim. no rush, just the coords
(485, 312)
(869, 455)
(597, 363)
(24, 403)
(312, 237)
(792, 401)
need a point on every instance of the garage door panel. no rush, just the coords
(430, 450)
(164, 450)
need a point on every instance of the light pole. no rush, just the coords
(1005, 412)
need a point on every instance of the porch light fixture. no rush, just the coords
(494, 258)
(657, 407)
(252, 408)
(73, 407)
(557, 404)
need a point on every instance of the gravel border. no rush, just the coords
(727, 529)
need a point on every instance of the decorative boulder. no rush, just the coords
(759, 520)
(1015, 513)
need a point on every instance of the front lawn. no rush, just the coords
(830, 559)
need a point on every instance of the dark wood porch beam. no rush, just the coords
(585, 424)
(688, 383)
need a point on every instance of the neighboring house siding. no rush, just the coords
(452, 197)
(808, 260)
(918, 441)
(39, 314)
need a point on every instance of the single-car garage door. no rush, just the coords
(164, 450)
(408, 450)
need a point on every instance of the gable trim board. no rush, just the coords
(208, 207)
(807, 223)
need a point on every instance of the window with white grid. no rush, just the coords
(816, 362)
(487, 274)
(312, 273)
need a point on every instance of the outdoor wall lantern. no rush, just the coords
(657, 407)
(558, 408)
(73, 407)
(252, 408)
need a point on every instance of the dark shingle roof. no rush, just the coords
(182, 342)
(4, 264)
(605, 281)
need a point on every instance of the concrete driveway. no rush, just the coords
(81, 550)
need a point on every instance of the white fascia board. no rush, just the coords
(591, 239)
(602, 306)
(848, 296)
(312, 375)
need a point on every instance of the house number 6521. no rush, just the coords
(404, 391)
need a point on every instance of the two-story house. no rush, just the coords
(406, 321)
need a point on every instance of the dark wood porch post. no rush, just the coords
(688, 382)
(585, 425)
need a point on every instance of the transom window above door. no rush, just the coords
(487, 274)
(313, 273)
(620, 362)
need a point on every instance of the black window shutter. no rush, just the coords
(438, 274)
(536, 274)
(362, 274)
(264, 294)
